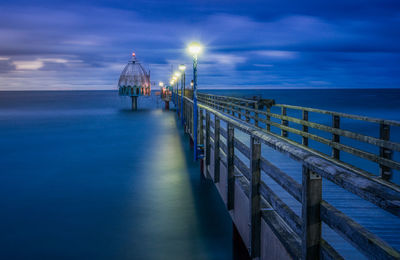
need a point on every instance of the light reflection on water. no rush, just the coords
(101, 185)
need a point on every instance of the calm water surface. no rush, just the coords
(82, 177)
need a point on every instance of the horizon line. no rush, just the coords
(278, 88)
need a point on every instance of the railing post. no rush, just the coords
(268, 119)
(384, 134)
(208, 144)
(256, 114)
(192, 121)
(311, 217)
(247, 112)
(335, 137)
(216, 149)
(230, 157)
(201, 126)
(182, 98)
(304, 140)
(284, 133)
(255, 210)
(177, 106)
(186, 119)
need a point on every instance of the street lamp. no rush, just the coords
(176, 76)
(182, 68)
(195, 49)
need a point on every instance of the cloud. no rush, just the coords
(6, 65)
(252, 43)
(28, 65)
(39, 63)
(224, 59)
(278, 54)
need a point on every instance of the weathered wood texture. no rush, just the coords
(255, 199)
(216, 149)
(384, 158)
(231, 167)
(311, 201)
(300, 236)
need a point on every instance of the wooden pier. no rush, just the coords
(235, 132)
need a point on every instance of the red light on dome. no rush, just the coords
(133, 54)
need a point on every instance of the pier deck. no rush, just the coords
(291, 200)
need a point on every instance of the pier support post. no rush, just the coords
(304, 140)
(216, 149)
(255, 198)
(385, 172)
(231, 174)
(201, 137)
(208, 144)
(335, 137)
(256, 114)
(134, 103)
(268, 119)
(311, 216)
(284, 133)
(247, 113)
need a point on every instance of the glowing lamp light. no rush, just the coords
(161, 84)
(171, 82)
(191, 83)
(177, 74)
(174, 78)
(195, 48)
(182, 67)
(133, 54)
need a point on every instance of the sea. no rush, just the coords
(83, 177)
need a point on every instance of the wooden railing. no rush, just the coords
(300, 235)
(251, 112)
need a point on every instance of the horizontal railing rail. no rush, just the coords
(300, 235)
(253, 112)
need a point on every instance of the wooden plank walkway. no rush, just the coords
(300, 187)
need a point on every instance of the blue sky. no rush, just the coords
(249, 44)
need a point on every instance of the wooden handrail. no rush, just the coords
(384, 158)
(301, 236)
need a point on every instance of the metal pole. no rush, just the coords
(182, 99)
(195, 105)
(177, 98)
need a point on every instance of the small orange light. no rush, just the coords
(133, 54)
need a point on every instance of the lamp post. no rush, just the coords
(177, 74)
(161, 85)
(191, 86)
(171, 83)
(195, 49)
(182, 68)
(174, 78)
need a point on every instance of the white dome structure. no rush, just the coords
(134, 81)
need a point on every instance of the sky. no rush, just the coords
(71, 45)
